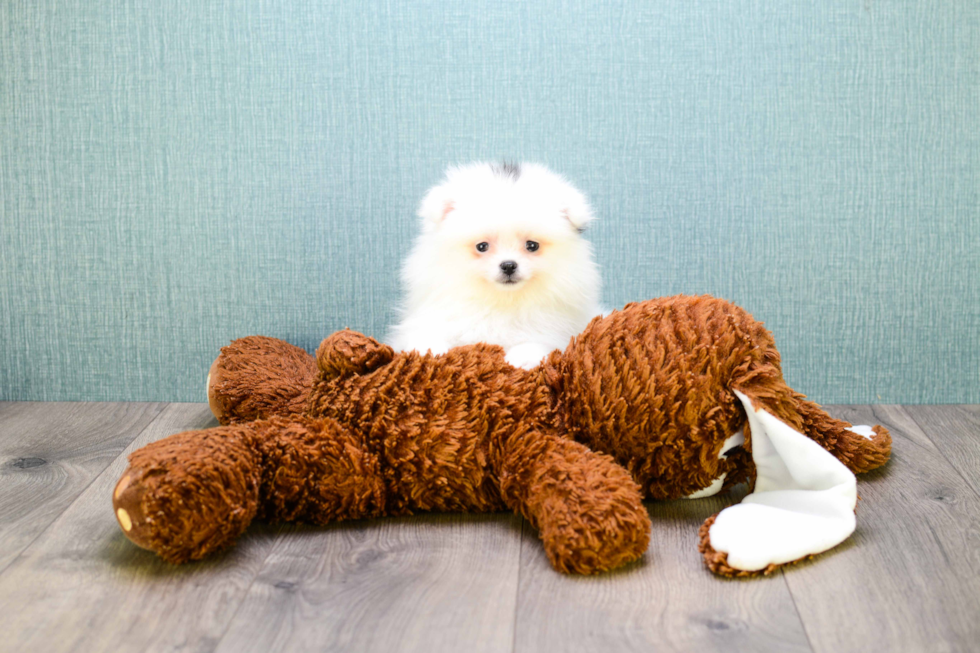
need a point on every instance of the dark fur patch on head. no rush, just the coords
(506, 169)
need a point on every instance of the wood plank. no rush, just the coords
(909, 577)
(955, 430)
(81, 586)
(424, 583)
(49, 453)
(668, 601)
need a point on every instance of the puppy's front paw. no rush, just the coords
(527, 355)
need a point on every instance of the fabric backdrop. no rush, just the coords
(175, 174)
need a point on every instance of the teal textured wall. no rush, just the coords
(177, 174)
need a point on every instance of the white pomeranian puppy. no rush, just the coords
(500, 260)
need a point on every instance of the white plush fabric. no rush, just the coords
(863, 430)
(710, 491)
(803, 502)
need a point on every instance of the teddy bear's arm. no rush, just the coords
(257, 377)
(860, 448)
(587, 509)
(350, 352)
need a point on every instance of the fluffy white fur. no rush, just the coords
(457, 295)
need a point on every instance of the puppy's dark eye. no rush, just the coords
(482, 247)
(531, 246)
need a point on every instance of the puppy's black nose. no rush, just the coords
(509, 267)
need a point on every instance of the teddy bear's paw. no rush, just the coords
(128, 507)
(191, 493)
(863, 448)
(156, 514)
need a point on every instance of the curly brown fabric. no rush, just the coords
(362, 431)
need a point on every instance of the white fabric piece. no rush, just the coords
(863, 430)
(803, 502)
(711, 490)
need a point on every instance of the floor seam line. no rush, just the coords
(796, 608)
(517, 590)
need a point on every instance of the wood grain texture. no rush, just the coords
(909, 577)
(668, 601)
(425, 583)
(49, 453)
(955, 430)
(908, 580)
(81, 586)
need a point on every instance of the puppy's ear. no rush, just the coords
(437, 204)
(575, 208)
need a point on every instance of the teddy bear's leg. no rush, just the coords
(803, 502)
(258, 377)
(587, 509)
(194, 493)
(319, 471)
(861, 448)
(190, 494)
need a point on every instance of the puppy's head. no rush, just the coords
(508, 228)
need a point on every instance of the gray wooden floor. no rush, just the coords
(908, 580)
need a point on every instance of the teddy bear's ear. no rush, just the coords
(350, 352)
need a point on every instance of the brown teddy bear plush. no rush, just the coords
(668, 398)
